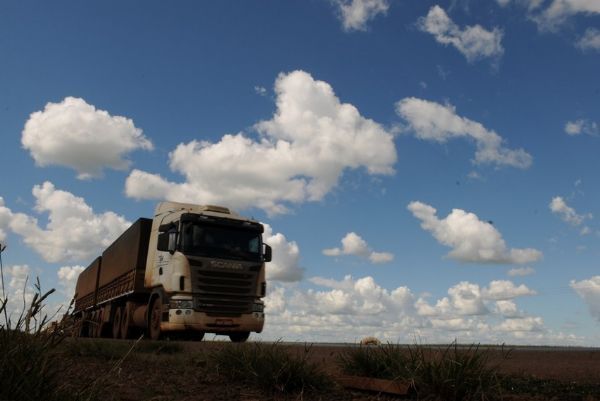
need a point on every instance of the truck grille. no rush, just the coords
(224, 293)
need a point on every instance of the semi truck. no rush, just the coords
(190, 270)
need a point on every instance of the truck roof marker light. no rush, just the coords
(217, 209)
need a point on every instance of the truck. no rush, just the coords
(190, 270)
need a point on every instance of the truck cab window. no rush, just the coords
(220, 241)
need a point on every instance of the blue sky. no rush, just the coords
(426, 169)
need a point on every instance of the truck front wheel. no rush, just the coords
(155, 317)
(239, 337)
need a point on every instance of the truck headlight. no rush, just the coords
(181, 304)
(258, 307)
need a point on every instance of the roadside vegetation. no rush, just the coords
(452, 373)
(39, 362)
(270, 368)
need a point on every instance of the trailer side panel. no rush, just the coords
(124, 262)
(87, 285)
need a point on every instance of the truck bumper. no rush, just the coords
(188, 319)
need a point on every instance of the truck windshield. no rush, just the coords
(224, 242)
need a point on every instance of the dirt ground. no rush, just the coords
(535, 374)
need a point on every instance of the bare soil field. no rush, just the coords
(180, 371)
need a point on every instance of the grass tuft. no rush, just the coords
(27, 359)
(270, 368)
(452, 373)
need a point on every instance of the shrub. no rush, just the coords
(270, 368)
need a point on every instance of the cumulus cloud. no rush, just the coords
(507, 308)
(560, 10)
(300, 155)
(75, 134)
(505, 290)
(439, 123)
(590, 40)
(569, 215)
(581, 126)
(355, 14)
(589, 291)
(353, 244)
(471, 240)
(474, 42)
(286, 257)
(73, 232)
(351, 308)
(521, 271)
(5, 218)
(18, 291)
(67, 277)
(525, 324)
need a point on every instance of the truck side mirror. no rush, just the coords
(167, 241)
(172, 242)
(163, 242)
(268, 253)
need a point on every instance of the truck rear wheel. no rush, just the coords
(126, 323)
(116, 327)
(239, 337)
(155, 317)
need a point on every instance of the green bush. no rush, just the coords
(452, 373)
(270, 368)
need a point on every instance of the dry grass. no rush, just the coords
(452, 373)
(270, 368)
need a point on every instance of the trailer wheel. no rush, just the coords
(95, 325)
(126, 329)
(239, 337)
(155, 317)
(116, 327)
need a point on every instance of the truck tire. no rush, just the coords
(116, 327)
(126, 329)
(154, 319)
(239, 337)
(95, 325)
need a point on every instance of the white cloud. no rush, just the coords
(19, 289)
(589, 291)
(5, 218)
(522, 324)
(73, 232)
(300, 155)
(474, 42)
(471, 239)
(381, 257)
(560, 10)
(502, 3)
(435, 122)
(567, 214)
(580, 126)
(507, 308)
(521, 271)
(260, 90)
(590, 40)
(352, 308)
(67, 277)
(505, 290)
(356, 13)
(75, 134)
(286, 257)
(353, 244)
